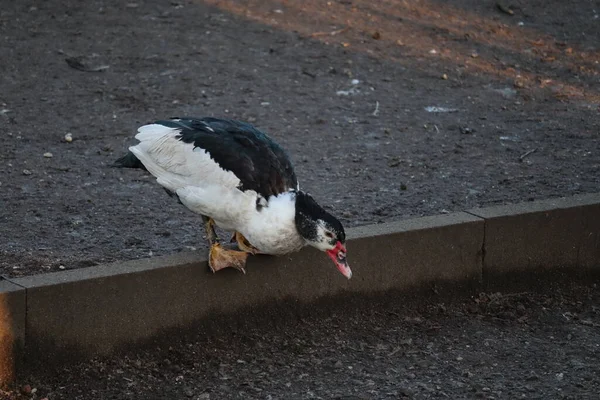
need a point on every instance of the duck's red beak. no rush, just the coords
(338, 255)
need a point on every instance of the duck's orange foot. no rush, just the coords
(220, 258)
(244, 244)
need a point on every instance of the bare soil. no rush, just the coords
(513, 345)
(344, 85)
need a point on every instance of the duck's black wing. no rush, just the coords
(259, 163)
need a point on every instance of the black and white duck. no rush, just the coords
(237, 178)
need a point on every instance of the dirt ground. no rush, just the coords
(514, 345)
(344, 85)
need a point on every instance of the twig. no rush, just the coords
(376, 111)
(397, 349)
(76, 63)
(504, 9)
(332, 33)
(522, 156)
(308, 73)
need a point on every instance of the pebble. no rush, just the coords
(204, 396)
(68, 138)
(48, 155)
(26, 390)
(27, 172)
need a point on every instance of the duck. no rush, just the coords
(239, 179)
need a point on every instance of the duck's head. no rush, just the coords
(322, 230)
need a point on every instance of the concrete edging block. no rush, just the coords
(12, 329)
(413, 252)
(540, 235)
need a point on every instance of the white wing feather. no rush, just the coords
(176, 164)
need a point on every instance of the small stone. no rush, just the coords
(48, 155)
(61, 267)
(204, 396)
(532, 377)
(68, 138)
(376, 35)
(338, 364)
(188, 392)
(26, 390)
(27, 172)
(445, 77)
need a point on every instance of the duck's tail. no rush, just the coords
(129, 160)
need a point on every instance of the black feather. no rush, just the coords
(259, 163)
(129, 160)
(308, 211)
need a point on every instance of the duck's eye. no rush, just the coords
(329, 235)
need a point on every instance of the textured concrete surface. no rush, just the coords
(409, 253)
(546, 234)
(12, 329)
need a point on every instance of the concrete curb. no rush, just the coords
(56, 317)
(544, 234)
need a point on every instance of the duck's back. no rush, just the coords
(185, 152)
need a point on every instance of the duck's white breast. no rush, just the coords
(272, 229)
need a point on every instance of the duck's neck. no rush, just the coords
(307, 213)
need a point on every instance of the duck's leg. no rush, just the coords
(219, 257)
(244, 244)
